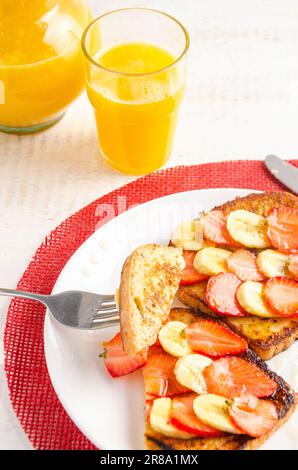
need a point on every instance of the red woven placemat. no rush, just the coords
(32, 395)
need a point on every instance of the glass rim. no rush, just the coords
(128, 74)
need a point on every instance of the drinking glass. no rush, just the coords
(136, 64)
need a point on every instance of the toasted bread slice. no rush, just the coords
(149, 280)
(284, 400)
(266, 336)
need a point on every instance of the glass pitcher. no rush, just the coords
(41, 63)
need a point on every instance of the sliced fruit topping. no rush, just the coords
(215, 230)
(155, 349)
(243, 264)
(188, 371)
(231, 376)
(248, 228)
(255, 420)
(184, 418)
(221, 294)
(251, 297)
(214, 411)
(282, 295)
(148, 408)
(211, 261)
(272, 263)
(173, 340)
(159, 376)
(293, 266)
(212, 339)
(283, 228)
(160, 417)
(207, 243)
(118, 362)
(189, 274)
(188, 235)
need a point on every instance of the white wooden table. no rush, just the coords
(242, 102)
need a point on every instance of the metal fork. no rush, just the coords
(78, 309)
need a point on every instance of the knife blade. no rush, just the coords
(283, 172)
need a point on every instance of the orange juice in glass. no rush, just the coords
(135, 82)
(41, 62)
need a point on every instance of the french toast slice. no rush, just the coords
(266, 336)
(149, 280)
(284, 400)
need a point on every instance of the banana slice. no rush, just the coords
(248, 228)
(211, 261)
(214, 411)
(188, 371)
(188, 235)
(173, 340)
(272, 263)
(160, 419)
(251, 297)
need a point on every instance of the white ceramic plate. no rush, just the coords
(110, 411)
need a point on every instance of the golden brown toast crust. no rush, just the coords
(150, 278)
(260, 203)
(267, 337)
(284, 400)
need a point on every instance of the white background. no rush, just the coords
(241, 103)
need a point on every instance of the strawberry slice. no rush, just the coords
(256, 420)
(214, 340)
(215, 230)
(293, 266)
(183, 417)
(189, 274)
(148, 408)
(156, 348)
(283, 228)
(117, 361)
(281, 293)
(232, 376)
(159, 377)
(243, 263)
(221, 294)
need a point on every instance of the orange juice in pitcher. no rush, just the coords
(41, 63)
